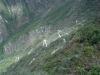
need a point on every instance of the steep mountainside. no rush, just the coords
(67, 14)
(33, 29)
(18, 13)
(78, 56)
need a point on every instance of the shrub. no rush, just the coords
(81, 70)
(88, 51)
(90, 34)
(94, 70)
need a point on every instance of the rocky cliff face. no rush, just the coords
(19, 12)
(3, 29)
(26, 40)
(12, 16)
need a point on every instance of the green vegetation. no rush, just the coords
(88, 51)
(90, 33)
(94, 70)
(73, 57)
(81, 70)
